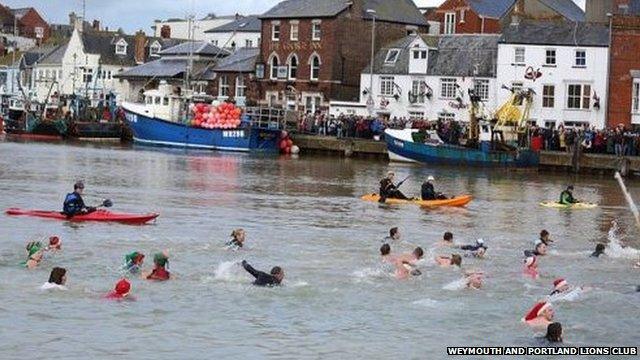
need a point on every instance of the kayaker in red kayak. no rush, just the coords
(121, 291)
(73, 202)
(159, 272)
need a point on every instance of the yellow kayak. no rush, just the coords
(456, 201)
(576, 206)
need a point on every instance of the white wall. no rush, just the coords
(180, 29)
(227, 38)
(564, 73)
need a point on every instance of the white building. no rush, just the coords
(566, 64)
(179, 28)
(242, 33)
(429, 77)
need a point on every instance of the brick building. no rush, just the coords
(31, 24)
(624, 79)
(490, 17)
(313, 51)
(235, 77)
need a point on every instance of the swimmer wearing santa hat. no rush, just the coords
(121, 291)
(540, 315)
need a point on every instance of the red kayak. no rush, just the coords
(98, 215)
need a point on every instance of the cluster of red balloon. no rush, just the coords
(223, 116)
(286, 144)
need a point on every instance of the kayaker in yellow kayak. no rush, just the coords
(566, 197)
(429, 192)
(388, 190)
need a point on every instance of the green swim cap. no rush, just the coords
(33, 247)
(160, 259)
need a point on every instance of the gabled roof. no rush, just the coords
(163, 68)
(245, 24)
(19, 13)
(556, 33)
(241, 61)
(400, 11)
(567, 8)
(491, 8)
(201, 48)
(103, 43)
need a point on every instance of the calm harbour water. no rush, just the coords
(305, 215)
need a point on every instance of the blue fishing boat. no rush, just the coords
(430, 149)
(163, 120)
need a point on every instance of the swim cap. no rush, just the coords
(133, 256)
(537, 310)
(54, 241)
(160, 259)
(558, 283)
(480, 241)
(123, 287)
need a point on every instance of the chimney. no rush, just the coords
(72, 18)
(596, 10)
(139, 42)
(165, 32)
(238, 16)
(357, 9)
(96, 25)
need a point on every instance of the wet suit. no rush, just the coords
(234, 244)
(566, 198)
(262, 278)
(74, 205)
(389, 191)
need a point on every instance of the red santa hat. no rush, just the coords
(537, 310)
(123, 287)
(558, 283)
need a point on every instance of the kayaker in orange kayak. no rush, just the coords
(73, 202)
(429, 192)
(388, 190)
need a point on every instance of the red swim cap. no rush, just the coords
(54, 240)
(123, 287)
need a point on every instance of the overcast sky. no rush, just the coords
(132, 15)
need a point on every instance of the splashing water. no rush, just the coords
(229, 271)
(456, 285)
(615, 248)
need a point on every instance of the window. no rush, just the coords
(418, 91)
(214, 42)
(448, 88)
(581, 58)
(579, 96)
(149, 100)
(275, 31)
(386, 85)
(450, 23)
(550, 58)
(419, 54)
(156, 100)
(293, 67)
(315, 67)
(635, 107)
(223, 86)
(519, 56)
(481, 88)
(445, 116)
(165, 101)
(548, 96)
(392, 56)
(248, 43)
(550, 124)
(294, 31)
(316, 31)
(241, 88)
(87, 75)
(121, 47)
(155, 49)
(274, 67)
(416, 115)
(109, 74)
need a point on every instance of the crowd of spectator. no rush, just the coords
(614, 141)
(351, 126)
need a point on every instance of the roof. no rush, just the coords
(19, 13)
(163, 68)
(567, 8)
(556, 33)
(449, 55)
(399, 11)
(491, 8)
(201, 48)
(104, 43)
(243, 60)
(55, 56)
(245, 24)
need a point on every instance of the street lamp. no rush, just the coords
(370, 102)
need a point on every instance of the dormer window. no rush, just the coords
(121, 47)
(392, 56)
(419, 54)
(154, 49)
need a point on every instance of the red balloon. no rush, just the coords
(283, 144)
(289, 143)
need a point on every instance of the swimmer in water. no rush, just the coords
(541, 249)
(562, 287)
(540, 316)
(531, 267)
(474, 280)
(121, 291)
(237, 239)
(55, 244)
(57, 279)
(554, 333)
(478, 250)
(133, 262)
(446, 261)
(544, 238)
(394, 235)
(159, 272)
(263, 279)
(447, 240)
(406, 263)
(599, 251)
(35, 252)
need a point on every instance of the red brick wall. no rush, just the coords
(625, 43)
(251, 92)
(472, 22)
(30, 21)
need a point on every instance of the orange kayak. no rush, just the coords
(456, 201)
